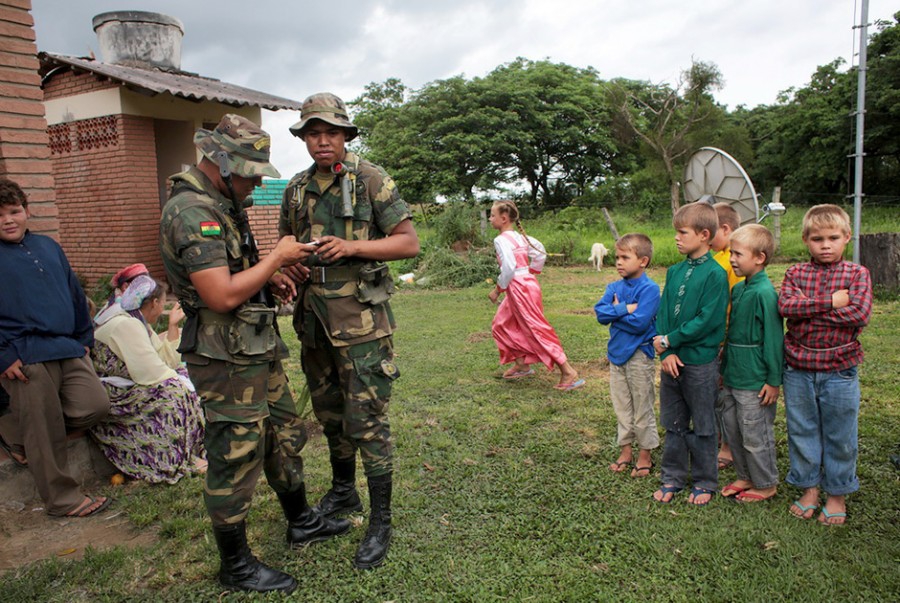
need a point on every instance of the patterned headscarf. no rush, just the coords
(138, 291)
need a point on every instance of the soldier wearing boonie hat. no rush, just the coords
(235, 366)
(352, 210)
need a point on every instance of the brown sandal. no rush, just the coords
(89, 506)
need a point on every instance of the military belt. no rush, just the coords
(319, 275)
(208, 317)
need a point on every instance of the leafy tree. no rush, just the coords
(663, 116)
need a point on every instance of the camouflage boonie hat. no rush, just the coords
(246, 143)
(326, 107)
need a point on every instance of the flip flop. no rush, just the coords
(751, 497)
(829, 516)
(620, 466)
(646, 468)
(82, 509)
(14, 456)
(724, 463)
(803, 510)
(667, 490)
(731, 490)
(567, 387)
(518, 374)
(695, 492)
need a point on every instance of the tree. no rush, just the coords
(663, 116)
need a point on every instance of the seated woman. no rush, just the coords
(154, 430)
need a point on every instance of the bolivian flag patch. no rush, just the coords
(210, 229)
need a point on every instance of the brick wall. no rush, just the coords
(264, 223)
(69, 84)
(105, 171)
(23, 129)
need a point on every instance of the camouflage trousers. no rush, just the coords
(350, 389)
(251, 426)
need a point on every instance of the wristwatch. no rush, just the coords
(664, 342)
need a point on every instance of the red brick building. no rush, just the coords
(117, 129)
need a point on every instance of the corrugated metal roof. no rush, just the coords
(186, 85)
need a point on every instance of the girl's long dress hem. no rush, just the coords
(519, 327)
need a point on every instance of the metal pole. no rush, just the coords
(860, 127)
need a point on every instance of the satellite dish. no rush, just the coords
(712, 171)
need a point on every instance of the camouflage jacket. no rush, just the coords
(309, 213)
(197, 232)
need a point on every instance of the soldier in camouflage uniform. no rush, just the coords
(232, 349)
(352, 211)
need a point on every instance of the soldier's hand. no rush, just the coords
(297, 272)
(332, 248)
(283, 286)
(289, 251)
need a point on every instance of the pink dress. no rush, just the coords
(519, 328)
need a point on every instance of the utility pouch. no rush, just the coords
(375, 284)
(189, 332)
(253, 331)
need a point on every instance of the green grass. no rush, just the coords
(502, 492)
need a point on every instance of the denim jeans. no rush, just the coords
(749, 427)
(822, 411)
(687, 412)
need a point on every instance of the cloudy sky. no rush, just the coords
(293, 49)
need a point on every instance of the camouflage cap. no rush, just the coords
(246, 143)
(326, 107)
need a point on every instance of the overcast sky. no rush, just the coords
(294, 49)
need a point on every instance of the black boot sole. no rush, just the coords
(373, 565)
(299, 545)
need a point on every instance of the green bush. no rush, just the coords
(442, 267)
(458, 221)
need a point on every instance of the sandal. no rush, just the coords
(825, 518)
(696, 492)
(16, 457)
(567, 387)
(732, 491)
(724, 463)
(619, 466)
(666, 489)
(89, 506)
(518, 374)
(636, 472)
(752, 497)
(804, 509)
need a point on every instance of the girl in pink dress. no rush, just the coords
(520, 329)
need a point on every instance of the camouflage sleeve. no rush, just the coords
(284, 222)
(198, 237)
(387, 205)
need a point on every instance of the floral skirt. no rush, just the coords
(153, 432)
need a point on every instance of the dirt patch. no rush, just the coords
(478, 336)
(30, 535)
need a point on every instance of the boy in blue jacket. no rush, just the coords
(629, 308)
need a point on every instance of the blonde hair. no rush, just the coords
(639, 243)
(699, 216)
(508, 208)
(825, 216)
(757, 239)
(727, 215)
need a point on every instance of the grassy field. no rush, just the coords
(502, 492)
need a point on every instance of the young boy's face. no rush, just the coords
(628, 265)
(745, 261)
(12, 223)
(826, 245)
(690, 242)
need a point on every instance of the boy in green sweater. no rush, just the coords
(691, 323)
(752, 367)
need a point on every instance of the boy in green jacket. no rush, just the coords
(752, 367)
(691, 323)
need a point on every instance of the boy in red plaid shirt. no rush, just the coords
(827, 302)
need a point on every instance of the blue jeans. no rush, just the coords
(822, 410)
(687, 412)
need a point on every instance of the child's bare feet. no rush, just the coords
(757, 494)
(725, 458)
(644, 464)
(805, 506)
(834, 512)
(666, 493)
(736, 487)
(623, 462)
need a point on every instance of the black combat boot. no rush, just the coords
(240, 570)
(374, 547)
(305, 526)
(343, 497)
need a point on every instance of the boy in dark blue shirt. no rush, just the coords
(45, 336)
(629, 308)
